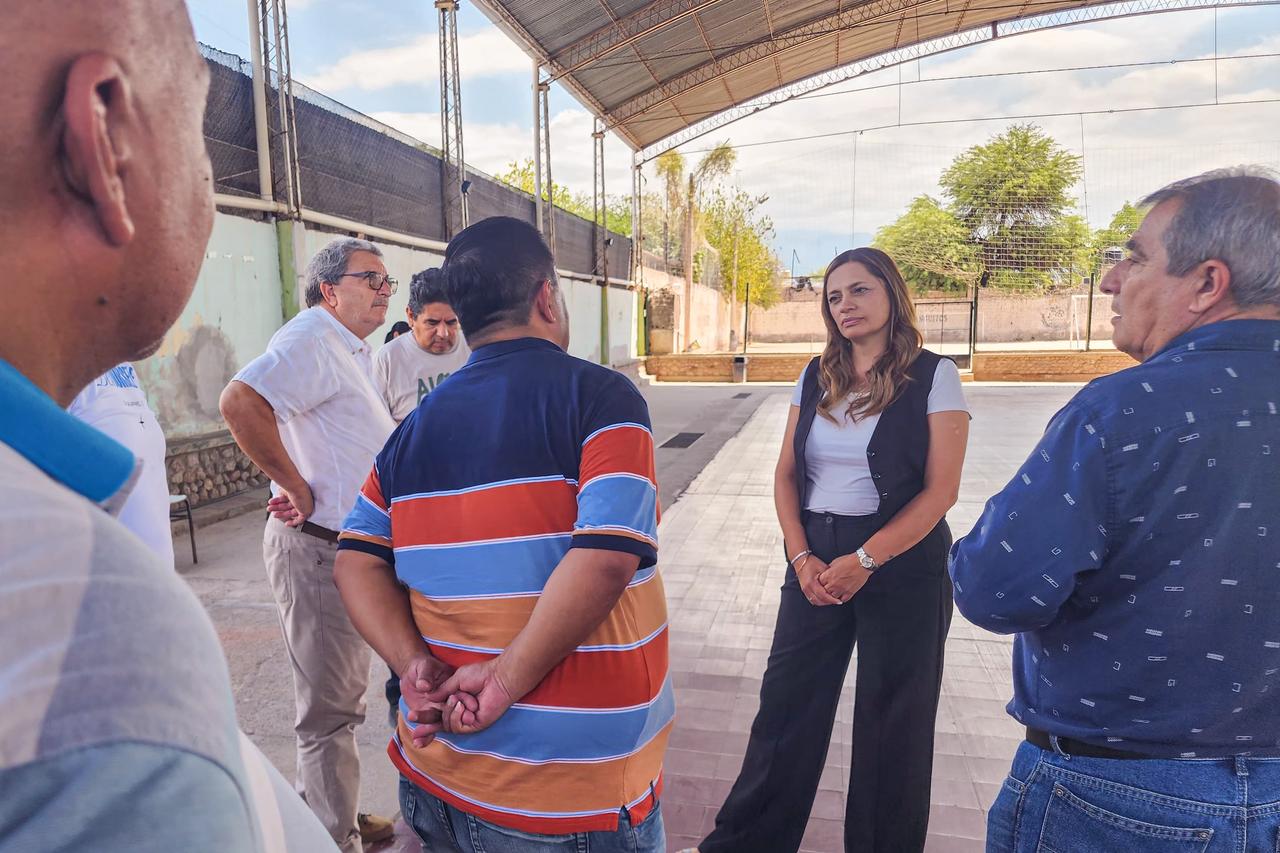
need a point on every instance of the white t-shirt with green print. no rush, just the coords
(404, 372)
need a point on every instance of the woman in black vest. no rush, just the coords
(869, 466)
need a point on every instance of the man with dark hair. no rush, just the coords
(306, 412)
(503, 551)
(117, 720)
(410, 367)
(1137, 556)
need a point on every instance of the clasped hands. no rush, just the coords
(461, 701)
(835, 583)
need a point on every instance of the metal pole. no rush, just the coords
(550, 210)
(746, 317)
(537, 147)
(1088, 323)
(733, 294)
(637, 223)
(453, 196)
(283, 91)
(261, 132)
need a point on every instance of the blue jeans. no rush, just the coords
(1053, 803)
(442, 827)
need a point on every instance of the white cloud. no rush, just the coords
(485, 53)
(811, 183)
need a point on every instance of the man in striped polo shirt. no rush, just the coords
(502, 558)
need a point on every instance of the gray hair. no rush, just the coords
(1232, 215)
(330, 263)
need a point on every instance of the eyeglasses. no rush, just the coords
(375, 280)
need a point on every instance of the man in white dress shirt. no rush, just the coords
(307, 413)
(411, 366)
(115, 404)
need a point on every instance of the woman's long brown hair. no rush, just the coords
(888, 376)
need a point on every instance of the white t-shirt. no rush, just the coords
(115, 404)
(317, 377)
(835, 456)
(404, 372)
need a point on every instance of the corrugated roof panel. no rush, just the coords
(808, 59)
(555, 24)
(618, 78)
(756, 78)
(731, 25)
(793, 13)
(736, 30)
(658, 124)
(674, 49)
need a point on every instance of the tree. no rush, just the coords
(670, 168)
(931, 247)
(733, 226)
(717, 164)
(1012, 196)
(520, 174)
(1125, 221)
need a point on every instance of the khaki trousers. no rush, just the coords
(330, 675)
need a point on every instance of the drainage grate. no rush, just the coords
(682, 439)
(744, 395)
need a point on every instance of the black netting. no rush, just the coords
(358, 168)
(228, 125)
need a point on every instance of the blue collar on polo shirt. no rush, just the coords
(68, 450)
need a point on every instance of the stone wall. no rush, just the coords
(209, 467)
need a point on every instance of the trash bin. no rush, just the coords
(739, 368)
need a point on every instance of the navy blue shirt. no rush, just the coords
(1137, 555)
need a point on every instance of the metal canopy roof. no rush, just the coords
(652, 69)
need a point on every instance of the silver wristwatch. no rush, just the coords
(867, 561)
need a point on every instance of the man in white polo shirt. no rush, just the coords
(411, 366)
(306, 412)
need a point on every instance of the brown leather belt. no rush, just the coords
(319, 532)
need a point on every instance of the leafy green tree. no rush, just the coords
(1012, 195)
(931, 247)
(617, 209)
(1125, 221)
(733, 225)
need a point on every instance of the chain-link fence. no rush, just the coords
(1024, 223)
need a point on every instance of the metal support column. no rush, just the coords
(273, 27)
(262, 132)
(537, 147)
(543, 162)
(637, 222)
(453, 177)
(601, 239)
(637, 247)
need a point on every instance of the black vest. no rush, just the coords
(899, 445)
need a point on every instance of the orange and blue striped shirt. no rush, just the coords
(523, 454)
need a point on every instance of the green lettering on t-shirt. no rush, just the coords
(425, 388)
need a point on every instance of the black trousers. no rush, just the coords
(900, 620)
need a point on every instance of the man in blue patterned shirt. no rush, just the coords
(1136, 554)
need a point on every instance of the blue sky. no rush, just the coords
(378, 56)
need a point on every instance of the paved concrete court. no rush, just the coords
(720, 555)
